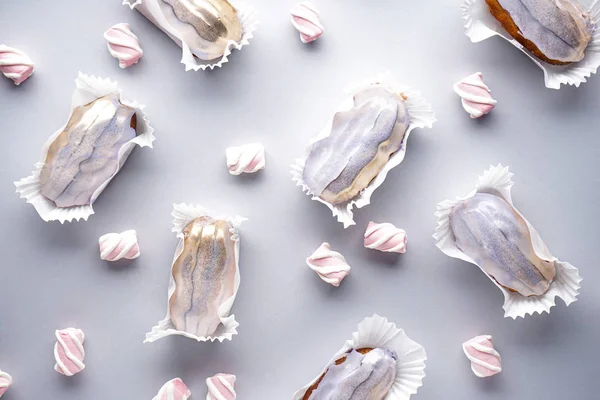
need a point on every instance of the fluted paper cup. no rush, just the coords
(88, 89)
(378, 332)
(565, 285)
(155, 10)
(421, 116)
(480, 24)
(183, 214)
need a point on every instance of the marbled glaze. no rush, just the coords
(556, 31)
(361, 142)
(367, 376)
(85, 154)
(496, 237)
(204, 275)
(206, 26)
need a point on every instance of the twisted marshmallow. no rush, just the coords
(68, 351)
(123, 45)
(175, 389)
(330, 265)
(385, 237)
(115, 246)
(15, 64)
(305, 19)
(476, 97)
(220, 387)
(485, 360)
(248, 158)
(5, 382)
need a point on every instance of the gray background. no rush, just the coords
(282, 92)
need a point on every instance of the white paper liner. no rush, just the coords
(481, 24)
(421, 116)
(151, 10)
(376, 332)
(497, 180)
(183, 214)
(88, 89)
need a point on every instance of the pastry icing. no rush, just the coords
(5, 382)
(204, 275)
(555, 31)
(363, 374)
(86, 153)
(305, 19)
(385, 237)
(69, 352)
(15, 64)
(123, 45)
(330, 265)
(174, 389)
(485, 360)
(248, 158)
(221, 387)
(496, 237)
(115, 246)
(361, 142)
(207, 26)
(475, 95)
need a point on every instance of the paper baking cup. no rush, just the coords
(182, 215)
(88, 89)
(153, 10)
(498, 180)
(421, 116)
(378, 332)
(481, 24)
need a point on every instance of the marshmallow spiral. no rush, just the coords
(115, 246)
(220, 387)
(68, 351)
(15, 64)
(305, 19)
(485, 360)
(248, 158)
(476, 97)
(5, 382)
(123, 45)
(174, 389)
(330, 265)
(385, 237)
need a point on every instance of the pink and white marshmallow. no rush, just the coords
(115, 246)
(305, 19)
(475, 95)
(485, 360)
(247, 158)
(385, 237)
(221, 387)
(330, 265)
(15, 64)
(5, 382)
(69, 352)
(123, 45)
(174, 389)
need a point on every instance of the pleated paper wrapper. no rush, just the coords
(88, 89)
(497, 180)
(154, 10)
(480, 25)
(378, 332)
(421, 116)
(183, 214)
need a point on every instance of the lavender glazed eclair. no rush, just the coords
(361, 142)
(555, 31)
(204, 275)
(363, 374)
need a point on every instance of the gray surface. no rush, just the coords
(281, 92)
